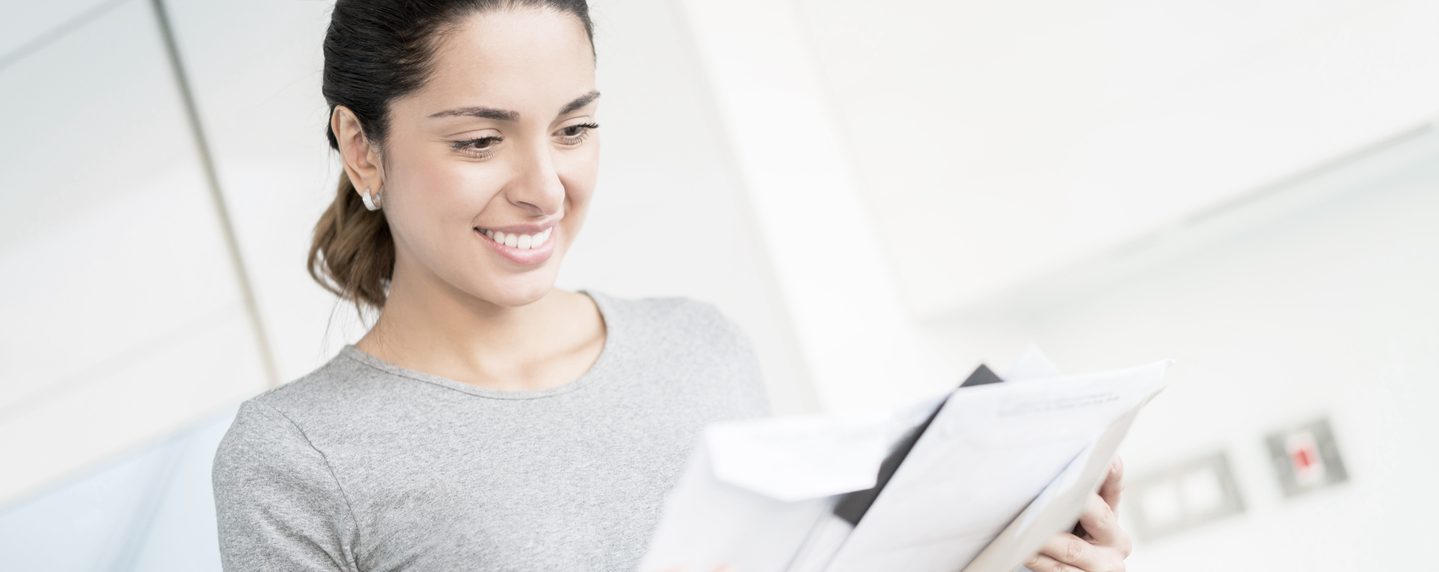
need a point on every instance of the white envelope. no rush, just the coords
(1058, 505)
(758, 494)
(990, 452)
(754, 489)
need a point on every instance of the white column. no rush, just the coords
(854, 332)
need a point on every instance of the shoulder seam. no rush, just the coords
(328, 468)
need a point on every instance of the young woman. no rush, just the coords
(487, 421)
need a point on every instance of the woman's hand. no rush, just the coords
(1104, 545)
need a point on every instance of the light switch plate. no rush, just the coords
(1305, 457)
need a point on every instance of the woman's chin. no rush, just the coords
(519, 289)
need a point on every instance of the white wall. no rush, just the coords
(1314, 299)
(123, 312)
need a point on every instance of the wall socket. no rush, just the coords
(1182, 496)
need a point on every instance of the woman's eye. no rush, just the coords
(483, 146)
(476, 146)
(577, 133)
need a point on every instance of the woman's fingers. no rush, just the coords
(1042, 563)
(1065, 552)
(1066, 548)
(1113, 483)
(1102, 524)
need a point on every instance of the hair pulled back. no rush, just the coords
(375, 52)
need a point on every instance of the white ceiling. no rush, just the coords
(995, 141)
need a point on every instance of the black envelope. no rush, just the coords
(851, 506)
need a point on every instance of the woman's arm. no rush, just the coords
(277, 503)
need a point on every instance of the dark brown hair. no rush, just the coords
(377, 51)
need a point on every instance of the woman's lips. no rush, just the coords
(530, 257)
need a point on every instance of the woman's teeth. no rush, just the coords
(520, 241)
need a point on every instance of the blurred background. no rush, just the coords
(883, 195)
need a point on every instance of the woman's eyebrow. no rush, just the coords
(508, 115)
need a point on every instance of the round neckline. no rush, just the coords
(596, 369)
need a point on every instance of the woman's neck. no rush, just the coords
(438, 329)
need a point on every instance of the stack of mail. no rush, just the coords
(974, 479)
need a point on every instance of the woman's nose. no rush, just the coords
(538, 183)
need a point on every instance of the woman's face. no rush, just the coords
(496, 138)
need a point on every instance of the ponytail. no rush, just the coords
(352, 254)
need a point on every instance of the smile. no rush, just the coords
(520, 241)
(521, 250)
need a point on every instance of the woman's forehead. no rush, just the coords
(515, 43)
(513, 59)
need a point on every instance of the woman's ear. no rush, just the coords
(360, 159)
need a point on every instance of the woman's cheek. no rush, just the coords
(465, 192)
(580, 185)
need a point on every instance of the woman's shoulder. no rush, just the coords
(266, 468)
(673, 311)
(287, 418)
(330, 388)
(678, 325)
(701, 339)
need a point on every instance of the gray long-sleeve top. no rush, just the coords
(364, 465)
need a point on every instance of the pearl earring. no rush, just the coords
(372, 203)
